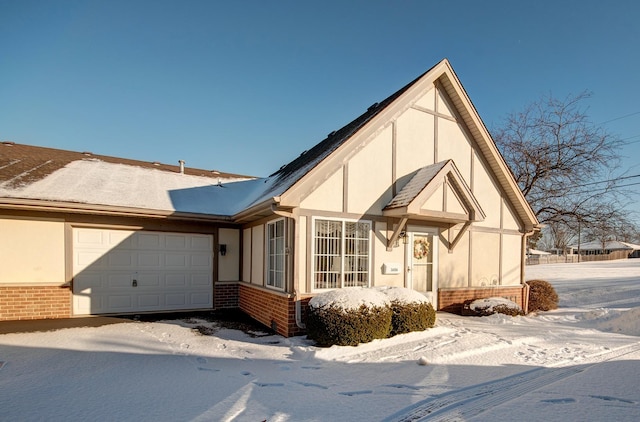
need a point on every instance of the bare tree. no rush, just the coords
(566, 166)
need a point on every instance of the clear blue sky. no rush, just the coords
(245, 86)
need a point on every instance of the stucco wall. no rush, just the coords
(246, 254)
(511, 257)
(257, 255)
(485, 259)
(369, 176)
(328, 196)
(453, 144)
(228, 264)
(382, 256)
(453, 270)
(34, 248)
(488, 254)
(415, 133)
(487, 194)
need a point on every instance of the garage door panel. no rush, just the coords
(201, 280)
(148, 280)
(176, 280)
(84, 284)
(89, 238)
(200, 298)
(173, 260)
(203, 261)
(176, 299)
(118, 281)
(201, 242)
(172, 271)
(83, 260)
(118, 259)
(149, 241)
(121, 303)
(152, 260)
(149, 301)
(120, 238)
(176, 242)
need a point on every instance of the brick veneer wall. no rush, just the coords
(452, 300)
(271, 309)
(34, 302)
(225, 296)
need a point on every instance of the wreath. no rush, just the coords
(420, 248)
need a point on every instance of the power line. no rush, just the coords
(609, 188)
(619, 118)
(607, 181)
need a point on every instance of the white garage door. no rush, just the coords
(123, 271)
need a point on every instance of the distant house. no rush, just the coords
(625, 249)
(411, 193)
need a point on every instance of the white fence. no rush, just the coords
(560, 259)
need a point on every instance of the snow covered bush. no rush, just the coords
(542, 296)
(492, 305)
(347, 317)
(411, 310)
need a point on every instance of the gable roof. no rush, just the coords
(409, 201)
(285, 181)
(290, 173)
(252, 199)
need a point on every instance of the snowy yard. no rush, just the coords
(580, 362)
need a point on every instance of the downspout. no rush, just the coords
(299, 322)
(523, 263)
(288, 214)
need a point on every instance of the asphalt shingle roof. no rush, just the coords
(416, 184)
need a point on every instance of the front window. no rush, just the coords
(341, 254)
(275, 254)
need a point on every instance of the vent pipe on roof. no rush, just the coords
(181, 162)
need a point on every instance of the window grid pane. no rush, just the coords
(356, 270)
(341, 255)
(275, 254)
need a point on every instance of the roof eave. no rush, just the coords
(93, 209)
(452, 86)
(257, 211)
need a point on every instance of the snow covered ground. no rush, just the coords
(580, 362)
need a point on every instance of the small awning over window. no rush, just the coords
(436, 193)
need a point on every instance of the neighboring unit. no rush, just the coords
(616, 248)
(412, 193)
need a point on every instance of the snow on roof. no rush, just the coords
(608, 245)
(418, 182)
(537, 252)
(93, 181)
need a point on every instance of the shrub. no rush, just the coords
(542, 296)
(348, 327)
(347, 317)
(490, 306)
(411, 310)
(407, 317)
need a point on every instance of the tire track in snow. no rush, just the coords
(475, 399)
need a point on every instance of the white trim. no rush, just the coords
(312, 240)
(267, 254)
(435, 233)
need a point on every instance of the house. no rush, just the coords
(411, 193)
(617, 248)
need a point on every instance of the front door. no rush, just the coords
(422, 264)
